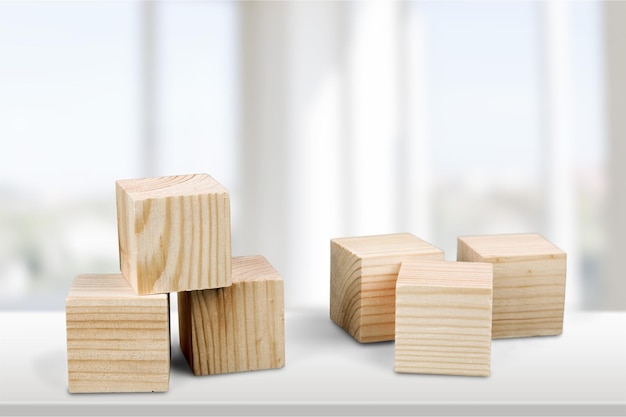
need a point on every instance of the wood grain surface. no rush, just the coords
(528, 282)
(443, 318)
(363, 281)
(174, 233)
(117, 341)
(237, 328)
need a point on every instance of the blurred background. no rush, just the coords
(323, 119)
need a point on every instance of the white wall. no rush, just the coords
(324, 119)
(613, 284)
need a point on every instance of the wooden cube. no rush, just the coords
(238, 328)
(363, 274)
(174, 233)
(528, 282)
(117, 341)
(443, 318)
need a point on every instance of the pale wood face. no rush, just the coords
(443, 318)
(363, 280)
(500, 248)
(104, 289)
(253, 268)
(127, 239)
(174, 238)
(237, 328)
(529, 298)
(446, 274)
(529, 282)
(345, 289)
(117, 341)
(384, 246)
(171, 186)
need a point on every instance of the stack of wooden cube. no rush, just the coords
(443, 314)
(174, 237)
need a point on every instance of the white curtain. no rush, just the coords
(324, 119)
(335, 137)
(322, 145)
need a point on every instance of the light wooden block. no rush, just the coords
(443, 318)
(528, 282)
(117, 341)
(174, 233)
(363, 275)
(238, 328)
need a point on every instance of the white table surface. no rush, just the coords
(581, 372)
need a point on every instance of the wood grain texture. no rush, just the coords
(443, 318)
(238, 328)
(174, 233)
(528, 282)
(117, 341)
(363, 276)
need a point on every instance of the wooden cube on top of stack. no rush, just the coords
(528, 282)
(363, 281)
(174, 233)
